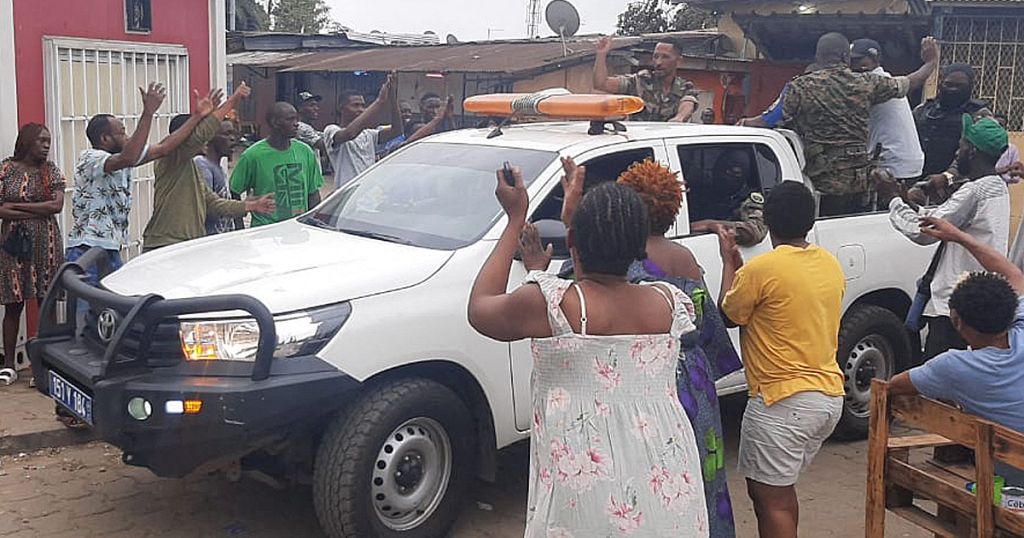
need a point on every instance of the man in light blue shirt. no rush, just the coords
(986, 380)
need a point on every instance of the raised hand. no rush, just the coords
(535, 257)
(388, 89)
(604, 45)
(929, 50)
(206, 105)
(152, 98)
(572, 186)
(513, 198)
(243, 91)
(727, 247)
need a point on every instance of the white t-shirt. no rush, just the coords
(892, 125)
(351, 158)
(982, 209)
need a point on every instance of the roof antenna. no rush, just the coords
(564, 20)
(496, 132)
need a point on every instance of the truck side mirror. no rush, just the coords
(553, 232)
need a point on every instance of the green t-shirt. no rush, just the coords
(292, 175)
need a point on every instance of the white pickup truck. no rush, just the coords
(335, 348)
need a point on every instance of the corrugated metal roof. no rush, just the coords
(259, 58)
(484, 57)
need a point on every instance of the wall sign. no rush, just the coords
(138, 16)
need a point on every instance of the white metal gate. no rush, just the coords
(86, 77)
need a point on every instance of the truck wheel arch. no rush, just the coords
(898, 302)
(469, 390)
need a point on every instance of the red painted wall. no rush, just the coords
(179, 22)
(766, 81)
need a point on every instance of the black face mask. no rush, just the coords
(953, 98)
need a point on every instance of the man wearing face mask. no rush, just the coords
(981, 207)
(938, 119)
(728, 201)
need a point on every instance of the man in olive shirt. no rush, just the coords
(667, 96)
(280, 166)
(181, 199)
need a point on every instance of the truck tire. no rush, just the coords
(396, 463)
(872, 344)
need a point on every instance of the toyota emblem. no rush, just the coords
(106, 325)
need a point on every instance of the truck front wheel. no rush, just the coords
(872, 344)
(396, 464)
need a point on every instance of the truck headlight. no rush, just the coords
(299, 333)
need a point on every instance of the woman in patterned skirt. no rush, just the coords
(612, 452)
(31, 195)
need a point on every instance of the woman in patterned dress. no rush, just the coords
(612, 452)
(31, 195)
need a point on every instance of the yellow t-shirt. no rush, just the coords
(788, 302)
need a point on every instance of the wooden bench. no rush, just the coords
(900, 471)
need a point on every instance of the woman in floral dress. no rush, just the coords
(707, 353)
(31, 195)
(612, 452)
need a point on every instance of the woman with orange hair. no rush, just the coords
(705, 354)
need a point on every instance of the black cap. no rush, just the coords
(865, 47)
(306, 96)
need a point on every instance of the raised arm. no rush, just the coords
(367, 118)
(431, 128)
(131, 154)
(602, 81)
(397, 127)
(989, 258)
(204, 107)
(930, 57)
(241, 92)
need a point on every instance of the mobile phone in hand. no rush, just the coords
(507, 171)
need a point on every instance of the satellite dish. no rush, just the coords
(451, 39)
(562, 17)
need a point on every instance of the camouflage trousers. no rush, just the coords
(844, 192)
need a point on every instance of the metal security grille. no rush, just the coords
(994, 46)
(89, 77)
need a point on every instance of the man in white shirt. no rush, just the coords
(892, 122)
(981, 207)
(352, 146)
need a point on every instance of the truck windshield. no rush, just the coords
(432, 195)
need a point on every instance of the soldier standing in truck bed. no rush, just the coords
(830, 108)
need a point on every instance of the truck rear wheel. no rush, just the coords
(396, 464)
(872, 344)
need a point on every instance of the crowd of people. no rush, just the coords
(627, 341)
(611, 452)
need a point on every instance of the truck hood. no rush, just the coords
(288, 266)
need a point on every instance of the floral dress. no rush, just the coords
(20, 281)
(612, 452)
(706, 355)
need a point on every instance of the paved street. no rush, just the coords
(86, 491)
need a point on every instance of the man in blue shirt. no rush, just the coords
(986, 309)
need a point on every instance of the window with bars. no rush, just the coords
(994, 47)
(89, 77)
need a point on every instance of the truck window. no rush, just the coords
(720, 177)
(599, 170)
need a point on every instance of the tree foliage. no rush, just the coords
(250, 16)
(301, 16)
(656, 16)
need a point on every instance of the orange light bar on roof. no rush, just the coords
(576, 106)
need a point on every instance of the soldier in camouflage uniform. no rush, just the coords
(830, 108)
(727, 199)
(667, 97)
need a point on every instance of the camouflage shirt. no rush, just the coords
(744, 213)
(830, 109)
(660, 106)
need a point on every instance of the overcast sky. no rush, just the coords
(468, 19)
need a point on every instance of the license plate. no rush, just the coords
(71, 397)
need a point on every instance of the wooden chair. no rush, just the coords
(899, 473)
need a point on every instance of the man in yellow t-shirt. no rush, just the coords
(788, 303)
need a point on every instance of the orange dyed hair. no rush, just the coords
(659, 188)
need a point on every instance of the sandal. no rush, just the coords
(8, 376)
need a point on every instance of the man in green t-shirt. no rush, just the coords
(281, 165)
